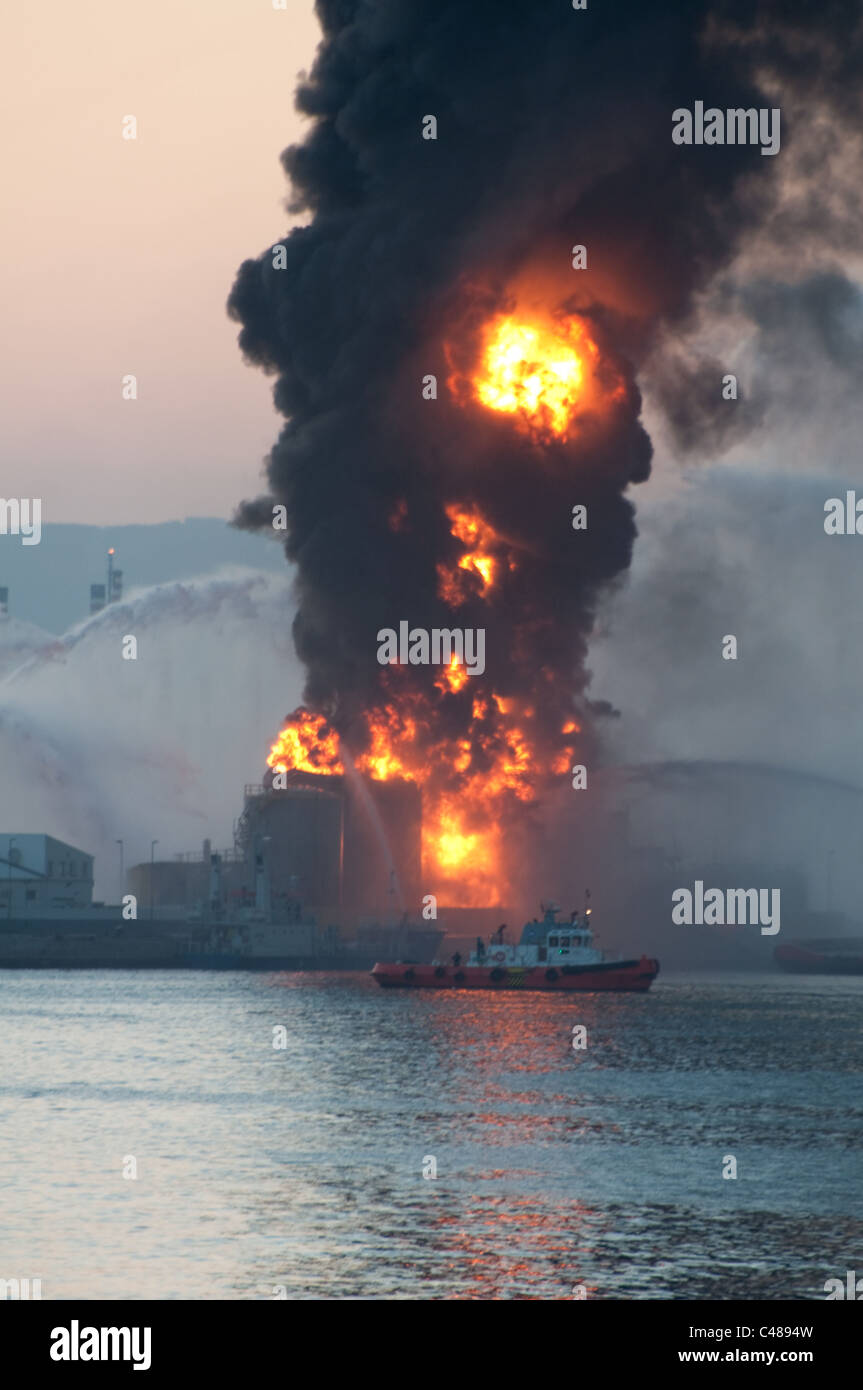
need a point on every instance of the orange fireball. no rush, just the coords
(535, 372)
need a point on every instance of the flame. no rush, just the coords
(475, 782)
(388, 733)
(306, 744)
(535, 371)
(477, 570)
(452, 677)
(460, 853)
(471, 784)
(480, 755)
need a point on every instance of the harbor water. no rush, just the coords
(202, 1136)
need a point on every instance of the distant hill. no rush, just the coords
(49, 583)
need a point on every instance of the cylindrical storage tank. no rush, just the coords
(168, 883)
(304, 853)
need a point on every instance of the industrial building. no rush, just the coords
(347, 849)
(323, 874)
(39, 873)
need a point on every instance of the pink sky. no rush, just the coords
(118, 255)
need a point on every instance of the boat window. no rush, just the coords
(552, 941)
(564, 941)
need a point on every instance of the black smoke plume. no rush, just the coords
(554, 128)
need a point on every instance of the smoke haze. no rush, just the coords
(94, 748)
(701, 262)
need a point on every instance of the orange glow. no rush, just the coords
(463, 854)
(389, 732)
(472, 784)
(479, 540)
(535, 372)
(397, 519)
(452, 677)
(481, 757)
(458, 853)
(306, 744)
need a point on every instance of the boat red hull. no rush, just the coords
(625, 975)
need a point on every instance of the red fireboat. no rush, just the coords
(551, 955)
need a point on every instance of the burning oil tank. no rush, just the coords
(348, 843)
(300, 829)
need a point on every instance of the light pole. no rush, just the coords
(153, 844)
(122, 881)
